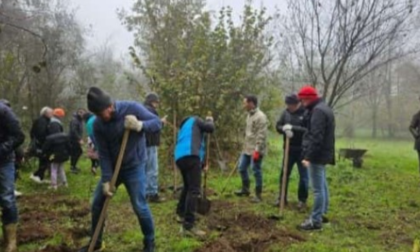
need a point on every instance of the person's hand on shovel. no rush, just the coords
(107, 190)
(132, 123)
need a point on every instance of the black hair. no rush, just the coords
(253, 99)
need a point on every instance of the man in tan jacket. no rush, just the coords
(254, 148)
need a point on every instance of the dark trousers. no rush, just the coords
(75, 153)
(295, 157)
(190, 168)
(43, 165)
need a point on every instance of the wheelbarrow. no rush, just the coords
(356, 155)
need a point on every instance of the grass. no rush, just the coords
(372, 209)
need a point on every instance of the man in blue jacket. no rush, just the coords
(189, 157)
(113, 118)
(11, 137)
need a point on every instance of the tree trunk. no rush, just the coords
(374, 121)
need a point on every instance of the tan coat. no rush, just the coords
(256, 132)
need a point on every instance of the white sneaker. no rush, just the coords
(18, 194)
(36, 179)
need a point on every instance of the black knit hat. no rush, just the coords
(151, 97)
(292, 99)
(98, 100)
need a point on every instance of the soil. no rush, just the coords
(40, 217)
(244, 231)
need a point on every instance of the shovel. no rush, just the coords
(230, 176)
(108, 199)
(283, 183)
(204, 204)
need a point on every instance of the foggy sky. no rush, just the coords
(107, 28)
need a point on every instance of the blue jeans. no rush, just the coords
(295, 157)
(320, 189)
(245, 162)
(7, 194)
(134, 180)
(152, 171)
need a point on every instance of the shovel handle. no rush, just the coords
(108, 199)
(284, 179)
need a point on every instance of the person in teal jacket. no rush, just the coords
(92, 152)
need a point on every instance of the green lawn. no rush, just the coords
(372, 209)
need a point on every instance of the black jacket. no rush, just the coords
(39, 130)
(11, 135)
(319, 139)
(55, 126)
(415, 130)
(57, 147)
(76, 128)
(296, 120)
(152, 138)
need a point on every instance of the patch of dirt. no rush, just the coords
(33, 233)
(244, 231)
(61, 248)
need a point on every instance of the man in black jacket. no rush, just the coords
(76, 139)
(11, 137)
(318, 151)
(152, 144)
(290, 125)
(415, 131)
(39, 132)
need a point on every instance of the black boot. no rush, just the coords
(244, 191)
(257, 198)
(149, 246)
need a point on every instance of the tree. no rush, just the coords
(339, 43)
(197, 63)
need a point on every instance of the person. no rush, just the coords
(290, 125)
(39, 132)
(56, 126)
(318, 151)
(76, 139)
(152, 143)
(11, 137)
(189, 158)
(415, 131)
(254, 148)
(92, 152)
(19, 154)
(57, 149)
(112, 119)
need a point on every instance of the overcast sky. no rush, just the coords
(106, 27)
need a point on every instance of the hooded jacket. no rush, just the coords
(11, 135)
(108, 137)
(76, 128)
(319, 139)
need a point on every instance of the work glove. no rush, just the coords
(256, 156)
(107, 190)
(288, 133)
(287, 127)
(131, 123)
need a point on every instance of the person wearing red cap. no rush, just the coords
(254, 148)
(318, 151)
(415, 131)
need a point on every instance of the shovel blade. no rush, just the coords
(203, 206)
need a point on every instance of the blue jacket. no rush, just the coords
(108, 137)
(191, 140)
(11, 135)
